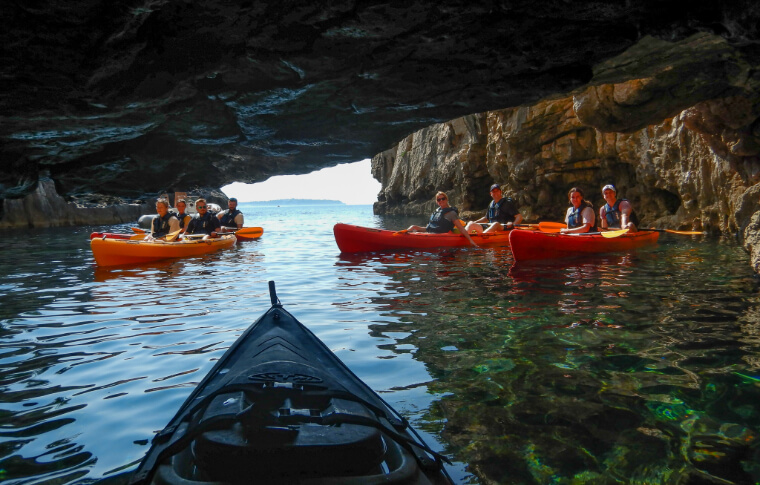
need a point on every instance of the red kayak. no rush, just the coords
(535, 245)
(356, 239)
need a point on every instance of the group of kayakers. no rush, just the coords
(503, 214)
(203, 223)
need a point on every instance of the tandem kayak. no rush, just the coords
(280, 407)
(536, 245)
(356, 239)
(115, 252)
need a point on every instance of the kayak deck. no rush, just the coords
(356, 239)
(116, 252)
(281, 407)
(536, 245)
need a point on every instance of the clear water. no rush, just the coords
(641, 367)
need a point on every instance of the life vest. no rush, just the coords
(160, 225)
(498, 213)
(228, 218)
(205, 224)
(614, 216)
(575, 219)
(183, 219)
(438, 223)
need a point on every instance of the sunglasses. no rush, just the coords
(440, 199)
(200, 206)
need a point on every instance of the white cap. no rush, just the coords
(609, 187)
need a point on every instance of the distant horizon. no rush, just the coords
(348, 183)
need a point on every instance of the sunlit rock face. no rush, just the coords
(133, 99)
(683, 146)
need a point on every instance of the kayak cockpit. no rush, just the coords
(279, 407)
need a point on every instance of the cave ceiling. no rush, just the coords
(134, 98)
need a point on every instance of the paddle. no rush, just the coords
(673, 231)
(172, 236)
(611, 234)
(138, 230)
(402, 231)
(551, 226)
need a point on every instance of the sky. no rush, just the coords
(350, 183)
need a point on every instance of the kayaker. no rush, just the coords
(164, 223)
(502, 214)
(443, 220)
(203, 222)
(616, 213)
(580, 216)
(232, 217)
(183, 217)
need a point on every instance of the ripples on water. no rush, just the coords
(627, 368)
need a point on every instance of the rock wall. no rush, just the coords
(45, 208)
(698, 170)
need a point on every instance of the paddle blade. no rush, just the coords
(403, 231)
(172, 236)
(551, 226)
(138, 230)
(611, 234)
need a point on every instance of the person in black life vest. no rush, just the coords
(502, 214)
(616, 213)
(203, 222)
(164, 223)
(444, 219)
(580, 215)
(183, 217)
(231, 218)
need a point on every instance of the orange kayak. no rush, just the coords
(114, 252)
(535, 245)
(356, 239)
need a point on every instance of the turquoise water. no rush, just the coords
(640, 367)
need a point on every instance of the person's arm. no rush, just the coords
(173, 224)
(603, 217)
(625, 215)
(239, 220)
(482, 220)
(458, 225)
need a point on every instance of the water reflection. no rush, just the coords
(638, 367)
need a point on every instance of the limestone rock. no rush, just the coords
(133, 99)
(677, 173)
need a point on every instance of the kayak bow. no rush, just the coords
(280, 407)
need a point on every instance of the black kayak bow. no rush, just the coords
(280, 407)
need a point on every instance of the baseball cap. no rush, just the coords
(495, 186)
(232, 199)
(609, 187)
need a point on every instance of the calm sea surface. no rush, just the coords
(639, 367)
